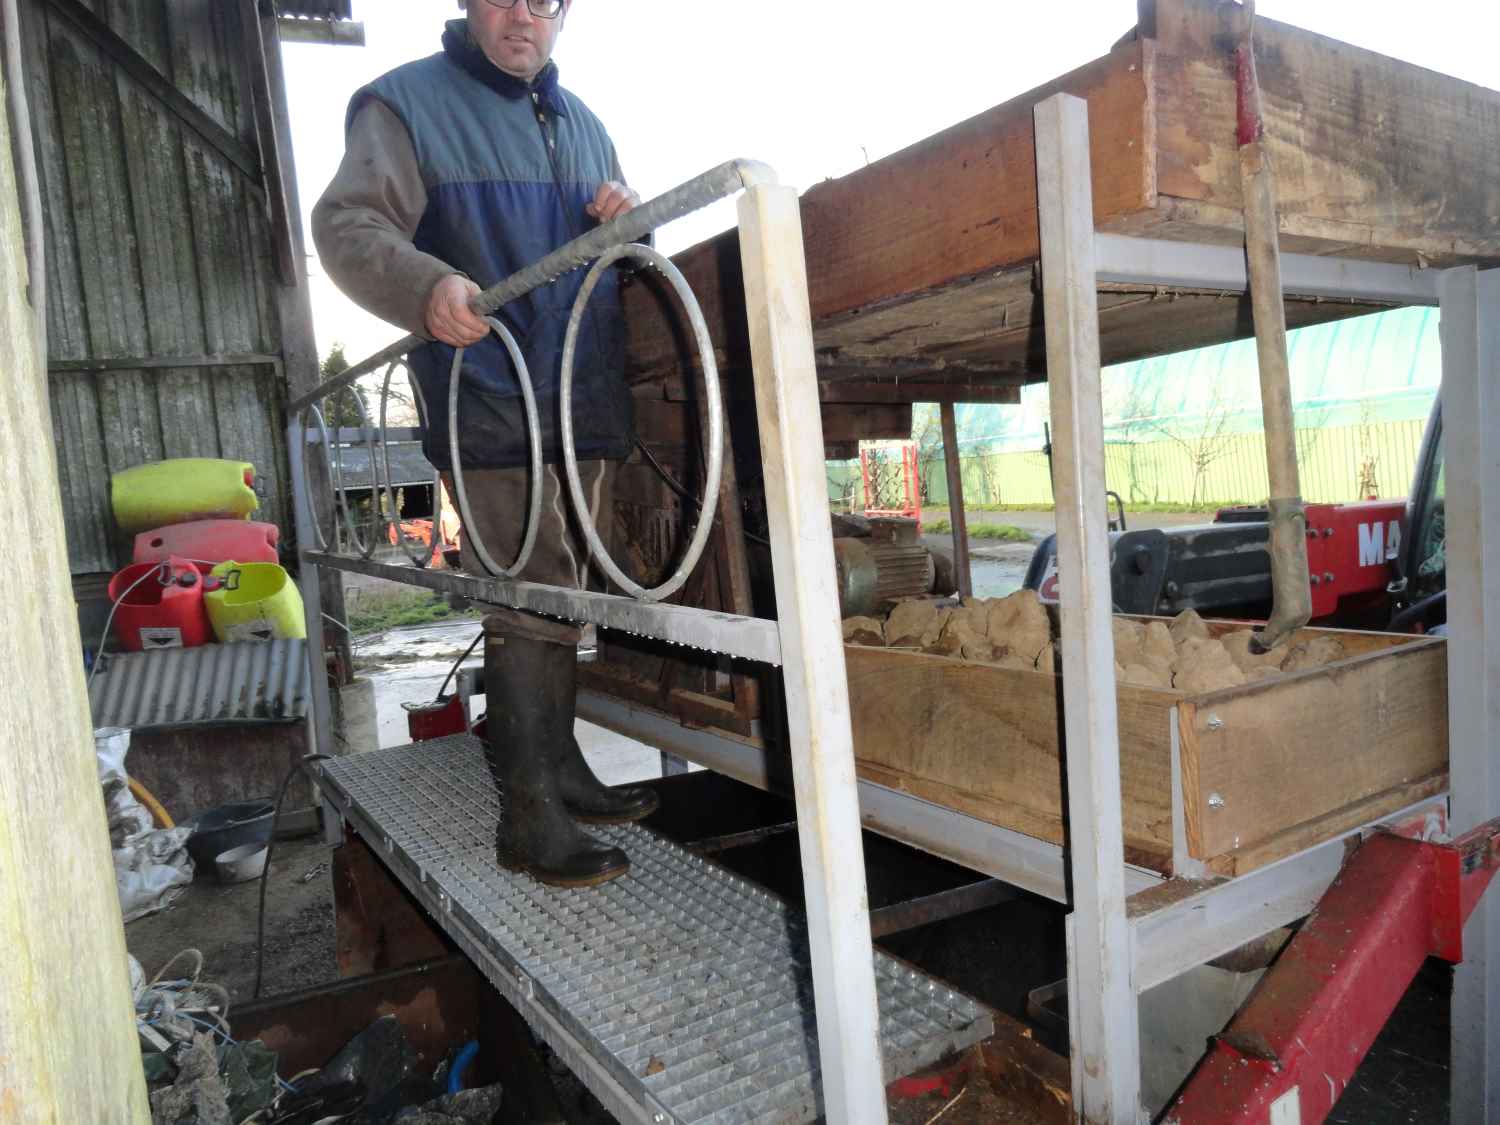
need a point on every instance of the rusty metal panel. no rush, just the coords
(182, 687)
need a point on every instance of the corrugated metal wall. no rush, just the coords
(162, 323)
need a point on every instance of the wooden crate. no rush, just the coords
(1268, 768)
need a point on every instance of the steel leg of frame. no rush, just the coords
(1105, 1028)
(320, 715)
(1470, 309)
(812, 650)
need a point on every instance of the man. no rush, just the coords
(460, 169)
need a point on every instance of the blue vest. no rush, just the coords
(497, 200)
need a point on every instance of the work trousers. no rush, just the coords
(497, 502)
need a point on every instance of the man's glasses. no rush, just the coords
(542, 9)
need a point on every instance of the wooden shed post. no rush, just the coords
(68, 1049)
(1470, 305)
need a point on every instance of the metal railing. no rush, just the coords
(806, 638)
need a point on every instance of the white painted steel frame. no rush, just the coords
(1470, 314)
(1223, 916)
(1104, 1030)
(1127, 260)
(807, 640)
(1022, 861)
(812, 645)
(1227, 914)
(751, 638)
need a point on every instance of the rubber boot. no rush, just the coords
(586, 797)
(530, 727)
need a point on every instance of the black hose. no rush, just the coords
(456, 663)
(1415, 612)
(265, 873)
(676, 486)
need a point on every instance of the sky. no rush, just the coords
(815, 89)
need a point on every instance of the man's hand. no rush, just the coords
(612, 200)
(449, 317)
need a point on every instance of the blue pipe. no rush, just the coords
(466, 1055)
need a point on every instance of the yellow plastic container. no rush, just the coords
(183, 489)
(254, 602)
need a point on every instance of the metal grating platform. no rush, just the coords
(679, 993)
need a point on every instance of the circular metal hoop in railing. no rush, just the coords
(534, 431)
(715, 422)
(307, 496)
(422, 558)
(365, 549)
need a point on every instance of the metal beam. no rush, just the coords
(1104, 1030)
(159, 86)
(1174, 928)
(903, 916)
(713, 185)
(750, 638)
(956, 514)
(1471, 433)
(1191, 265)
(1019, 860)
(815, 685)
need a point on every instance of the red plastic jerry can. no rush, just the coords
(159, 605)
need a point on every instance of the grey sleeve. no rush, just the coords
(364, 222)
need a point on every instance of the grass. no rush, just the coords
(1004, 532)
(1162, 506)
(376, 611)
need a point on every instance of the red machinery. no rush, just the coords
(1291, 1050)
(1350, 549)
(884, 496)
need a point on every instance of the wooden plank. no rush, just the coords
(988, 740)
(1369, 151)
(282, 238)
(129, 60)
(957, 205)
(917, 390)
(68, 1045)
(1303, 836)
(866, 420)
(1345, 732)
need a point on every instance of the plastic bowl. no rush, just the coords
(230, 826)
(242, 863)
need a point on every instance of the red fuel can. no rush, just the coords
(159, 605)
(207, 542)
(435, 718)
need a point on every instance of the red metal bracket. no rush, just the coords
(1290, 1052)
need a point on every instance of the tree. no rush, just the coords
(340, 409)
(927, 432)
(1368, 486)
(1209, 441)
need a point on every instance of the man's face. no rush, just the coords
(516, 41)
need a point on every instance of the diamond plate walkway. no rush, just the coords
(679, 993)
